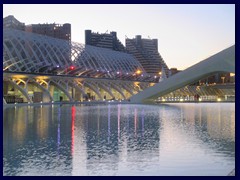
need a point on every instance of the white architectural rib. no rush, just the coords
(223, 61)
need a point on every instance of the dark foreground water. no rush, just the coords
(169, 139)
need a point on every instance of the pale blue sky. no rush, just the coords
(186, 34)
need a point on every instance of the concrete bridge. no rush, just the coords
(72, 89)
(223, 61)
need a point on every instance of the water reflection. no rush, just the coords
(217, 120)
(73, 126)
(174, 139)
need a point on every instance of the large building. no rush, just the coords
(11, 22)
(104, 40)
(60, 31)
(146, 52)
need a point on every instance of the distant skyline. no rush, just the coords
(186, 33)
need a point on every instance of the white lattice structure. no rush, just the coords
(38, 68)
(33, 53)
(34, 63)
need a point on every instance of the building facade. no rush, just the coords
(146, 52)
(104, 40)
(60, 31)
(11, 22)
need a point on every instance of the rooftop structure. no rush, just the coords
(104, 40)
(60, 31)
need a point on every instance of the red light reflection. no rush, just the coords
(73, 120)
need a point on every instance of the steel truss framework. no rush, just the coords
(33, 53)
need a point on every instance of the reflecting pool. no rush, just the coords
(167, 139)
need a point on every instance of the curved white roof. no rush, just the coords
(34, 53)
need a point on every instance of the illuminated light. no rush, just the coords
(41, 102)
(18, 77)
(57, 66)
(155, 77)
(15, 103)
(163, 100)
(138, 72)
(52, 101)
(232, 74)
(200, 99)
(160, 73)
(142, 75)
(218, 99)
(72, 67)
(89, 100)
(181, 99)
(117, 72)
(127, 73)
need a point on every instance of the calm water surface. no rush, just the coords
(169, 139)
